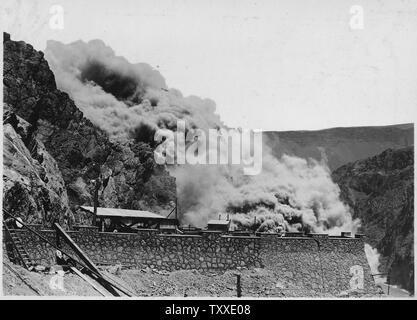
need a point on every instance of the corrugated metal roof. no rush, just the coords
(125, 213)
(218, 222)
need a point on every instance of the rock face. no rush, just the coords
(33, 187)
(340, 145)
(128, 175)
(380, 190)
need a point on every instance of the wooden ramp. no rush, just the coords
(97, 287)
(121, 284)
(114, 288)
(76, 248)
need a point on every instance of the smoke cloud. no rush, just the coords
(133, 101)
(120, 97)
(290, 194)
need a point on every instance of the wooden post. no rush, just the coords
(176, 209)
(176, 202)
(97, 187)
(238, 286)
(58, 240)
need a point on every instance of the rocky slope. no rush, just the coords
(380, 190)
(83, 153)
(33, 184)
(340, 145)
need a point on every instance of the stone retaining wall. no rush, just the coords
(318, 264)
(325, 265)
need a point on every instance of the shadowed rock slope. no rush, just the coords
(380, 190)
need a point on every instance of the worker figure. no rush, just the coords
(63, 260)
(59, 258)
(14, 224)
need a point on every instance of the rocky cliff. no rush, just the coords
(82, 153)
(33, 185)
(380, 190)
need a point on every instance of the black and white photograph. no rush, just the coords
(178, 149)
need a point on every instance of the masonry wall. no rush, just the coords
(316, 264)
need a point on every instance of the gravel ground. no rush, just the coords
(255, 282)
(148, 282)
(17, 281)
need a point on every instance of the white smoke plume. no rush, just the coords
(133, 100)
(372, 255)
(119, 96)
(290, 194)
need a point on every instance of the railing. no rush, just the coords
(388, 283)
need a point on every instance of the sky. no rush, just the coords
(270, 65)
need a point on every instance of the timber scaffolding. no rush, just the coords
(84, 268)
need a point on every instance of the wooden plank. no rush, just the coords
(120, 283)
(103, 292)
(117, 286)
(89, 263)
(77, 249)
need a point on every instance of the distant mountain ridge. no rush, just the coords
(340, 145)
